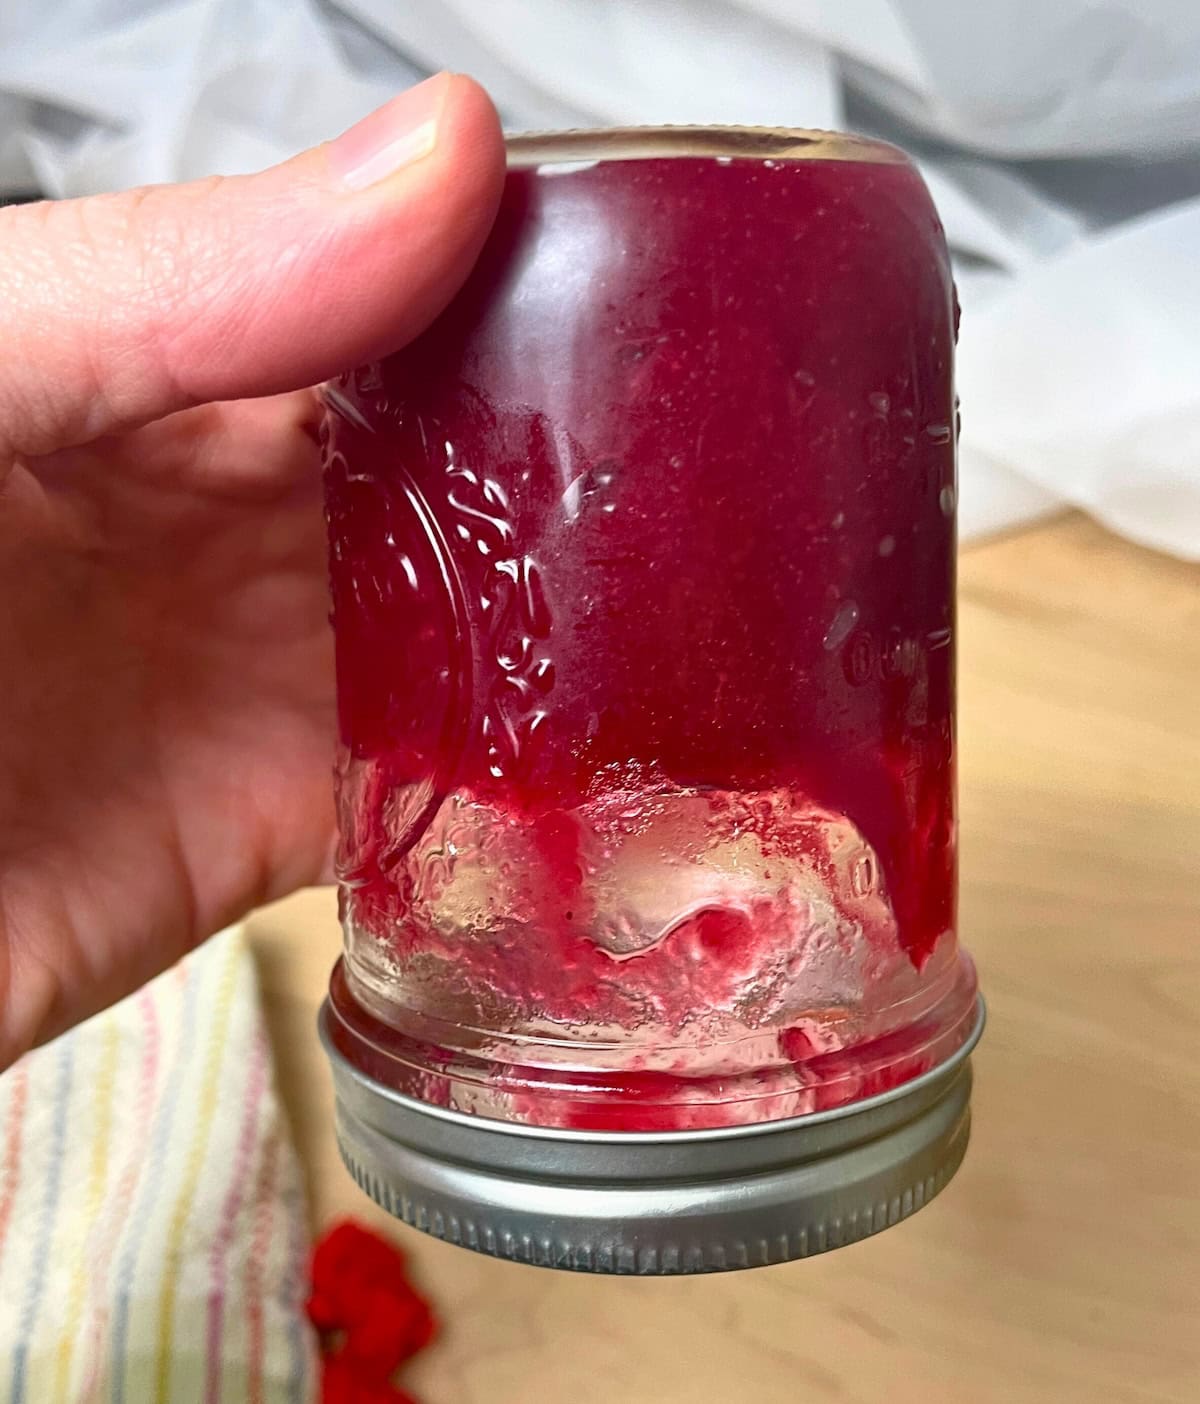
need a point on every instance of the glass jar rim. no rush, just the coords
(529, 150)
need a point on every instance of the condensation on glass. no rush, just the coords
(642, 561)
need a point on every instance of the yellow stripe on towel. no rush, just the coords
(205, 1112)
(102, 1103)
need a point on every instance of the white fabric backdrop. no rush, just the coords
(1061, 142)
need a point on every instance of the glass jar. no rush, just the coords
(642, 561)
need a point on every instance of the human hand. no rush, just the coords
(166, 687)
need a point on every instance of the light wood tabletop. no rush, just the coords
(1063, 1263)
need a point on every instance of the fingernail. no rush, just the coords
(393, 136)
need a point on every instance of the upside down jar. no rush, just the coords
(642, 562)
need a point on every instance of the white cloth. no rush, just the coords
(153, 1241)
(1061, 142)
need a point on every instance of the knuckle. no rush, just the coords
(95, 296)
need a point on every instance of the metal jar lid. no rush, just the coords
(656, 1203)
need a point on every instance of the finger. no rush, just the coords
(120, 308)
(234, 450)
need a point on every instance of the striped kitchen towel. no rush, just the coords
(152, 1222)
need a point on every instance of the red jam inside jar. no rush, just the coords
(642, 561)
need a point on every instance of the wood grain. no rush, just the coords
(1063, 1265)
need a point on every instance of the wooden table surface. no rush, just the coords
(1063, 1264)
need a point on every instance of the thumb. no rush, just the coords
(118, 309)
